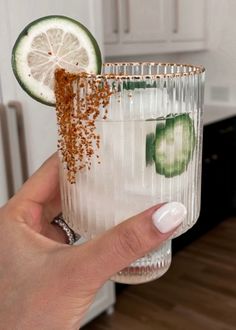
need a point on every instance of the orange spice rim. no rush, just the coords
(193, 70)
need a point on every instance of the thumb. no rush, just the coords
(130, 240)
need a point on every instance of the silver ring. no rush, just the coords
(72, 237)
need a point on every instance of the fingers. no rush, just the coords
(130, 240)
(43, 187)
(43, 183)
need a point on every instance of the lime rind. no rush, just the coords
(36, 89)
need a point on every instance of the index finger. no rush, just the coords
(43, 186)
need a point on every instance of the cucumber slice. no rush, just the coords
(150, 141)
(132, 85)
(150, 148)
(174, 145)
(49, 43)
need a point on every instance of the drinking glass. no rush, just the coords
(144, 148)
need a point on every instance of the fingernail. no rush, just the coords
(169, 216)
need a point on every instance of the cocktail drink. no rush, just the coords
(128, 139)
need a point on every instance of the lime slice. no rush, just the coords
(49, 43)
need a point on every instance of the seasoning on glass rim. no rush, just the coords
(76, 116)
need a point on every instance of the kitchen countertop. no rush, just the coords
(213, 113)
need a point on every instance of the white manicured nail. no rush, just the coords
(169, 216)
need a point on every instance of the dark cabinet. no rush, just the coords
(218, 199)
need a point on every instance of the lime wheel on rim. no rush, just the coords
(49, 43)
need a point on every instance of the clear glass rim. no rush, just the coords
(196, 70)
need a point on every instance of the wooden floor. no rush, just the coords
(197, 293)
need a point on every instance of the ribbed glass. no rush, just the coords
(150, 152)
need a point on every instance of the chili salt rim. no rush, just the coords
(76, 115)
(197, 70)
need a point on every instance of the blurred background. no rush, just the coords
(199, 291)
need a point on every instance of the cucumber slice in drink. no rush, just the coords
(174, 145)
(150, 145)
(132, 85)
(150, 141)
(49, 43)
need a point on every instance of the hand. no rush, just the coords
(45, 284)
